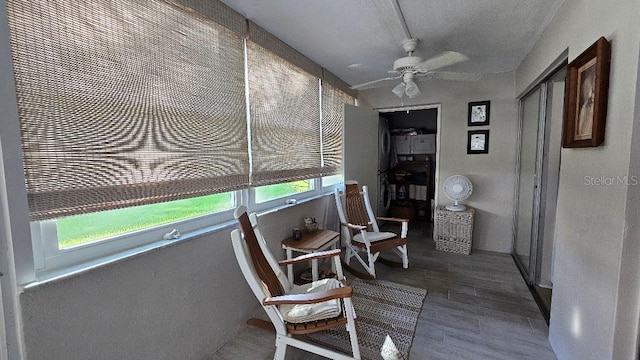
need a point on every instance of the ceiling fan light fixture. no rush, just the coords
(399, 90)
(411, 89)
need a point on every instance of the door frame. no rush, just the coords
(530, 271)
(531, 276)
(437, 106)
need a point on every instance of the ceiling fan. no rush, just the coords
(410, 67)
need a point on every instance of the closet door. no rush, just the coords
(360, 140)
(527, 190)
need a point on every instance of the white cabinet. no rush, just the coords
(423, 144)
(415, 144)
(402, 143)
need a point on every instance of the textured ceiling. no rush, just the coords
(358, 40)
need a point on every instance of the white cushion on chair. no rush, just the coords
(310, 312)
(374, 236)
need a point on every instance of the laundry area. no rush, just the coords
(407, 163)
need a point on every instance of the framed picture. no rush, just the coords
(479, 113)
(478, 142)
(586, 96)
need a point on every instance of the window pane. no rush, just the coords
(270, 192)
(331, 180)
(80, 229)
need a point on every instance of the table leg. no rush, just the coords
(314, 269)
(290, 267)
(333, 263)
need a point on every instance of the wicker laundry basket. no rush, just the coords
(453, 230)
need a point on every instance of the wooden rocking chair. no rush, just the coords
(362, 234)
(292, 309)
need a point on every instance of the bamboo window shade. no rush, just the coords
(284, 98)
(333, 99)
(126, 103)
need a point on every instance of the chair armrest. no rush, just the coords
(310, 298)
(307, 257)
(392, 219)
(354, 227)
(405, 224)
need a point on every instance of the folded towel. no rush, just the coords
(310, 312)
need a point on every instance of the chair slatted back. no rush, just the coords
(354, 206)
(258, 259)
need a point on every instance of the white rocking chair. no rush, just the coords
(362, 234)
(292, 309)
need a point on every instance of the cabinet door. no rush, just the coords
(423, 144)
(403, 144)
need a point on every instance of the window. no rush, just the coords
(81, 229)
(331, 180)
(276, 191)
(137, 118)
(284, 106)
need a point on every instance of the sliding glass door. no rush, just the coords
(527, 190)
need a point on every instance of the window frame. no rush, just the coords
(51, 261)
(282, 200)
(50, 258)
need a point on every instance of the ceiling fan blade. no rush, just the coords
(368, 84)
(439, 61)
(454, 76)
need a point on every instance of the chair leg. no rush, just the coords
(347, 255)
(405, 257)
(351, 328)
(372, 260)
(281, 348)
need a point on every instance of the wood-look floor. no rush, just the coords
(477, 307)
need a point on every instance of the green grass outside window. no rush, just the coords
(76, 230)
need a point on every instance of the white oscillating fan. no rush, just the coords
(457, 188)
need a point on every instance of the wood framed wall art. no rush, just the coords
(479, 113)
(586, 96)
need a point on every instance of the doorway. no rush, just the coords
(413, 162)
(538, 170)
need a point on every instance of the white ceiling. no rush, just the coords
(358, 40)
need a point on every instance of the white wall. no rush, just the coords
(179, 302)
(492, 174)
(590, 274)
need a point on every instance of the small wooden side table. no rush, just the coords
(309, 243)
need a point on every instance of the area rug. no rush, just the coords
(387, 314)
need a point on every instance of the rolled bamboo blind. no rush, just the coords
(127, 102)
(285, 119)
(137, 102)
(333, 100)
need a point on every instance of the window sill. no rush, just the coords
(292, 204)
(85, 267)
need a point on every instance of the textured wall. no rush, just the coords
(492, 174)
